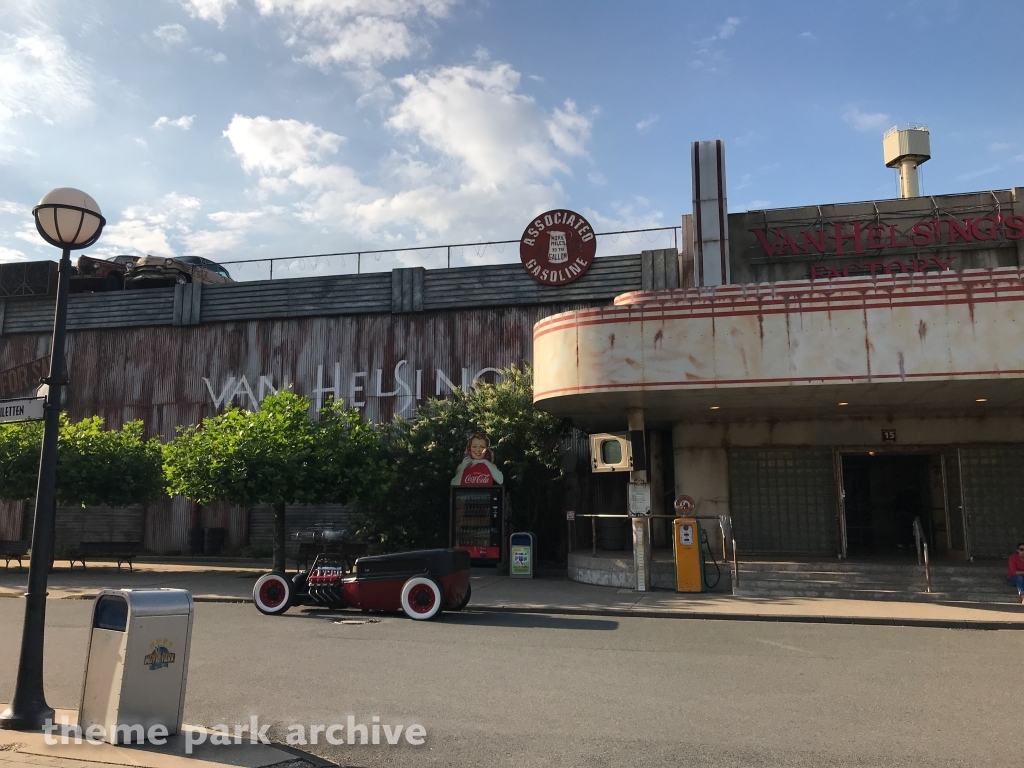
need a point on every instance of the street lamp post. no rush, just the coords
(68, 219)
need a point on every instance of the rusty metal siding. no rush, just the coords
(510, 285)
(298, 517)
(77, 524)
(115, 309)
(298, 297)
(11, 520)
(157, 373)
(234, 520)
(132, 363)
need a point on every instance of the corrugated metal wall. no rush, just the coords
(783, 500)
(298, 517)
(993, 488)
(11, 519)
(343, 336)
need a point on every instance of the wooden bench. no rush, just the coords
(13, 550)
(121, 551)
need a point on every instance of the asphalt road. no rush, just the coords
(536, 690)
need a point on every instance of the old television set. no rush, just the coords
(611, 452)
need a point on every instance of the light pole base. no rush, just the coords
(28, 718)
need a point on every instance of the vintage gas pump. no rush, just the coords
(688, 555)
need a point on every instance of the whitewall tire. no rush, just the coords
(272, 594)
(422, 598)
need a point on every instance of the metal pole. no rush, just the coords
(449, 257)
(29, 710)
(359, 263)
(271, 269)
(593, 537)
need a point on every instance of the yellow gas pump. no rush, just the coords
(688, 556)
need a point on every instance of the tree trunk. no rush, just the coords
(280, 536)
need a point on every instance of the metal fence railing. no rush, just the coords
(432, 256)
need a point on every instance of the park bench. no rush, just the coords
(13, 550)
(121, 551)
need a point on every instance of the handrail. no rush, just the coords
(922, 552)
(735, 568)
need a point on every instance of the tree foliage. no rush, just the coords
(425, 451)
(94, 465)
(277, 455)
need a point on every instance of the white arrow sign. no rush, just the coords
(21, 409)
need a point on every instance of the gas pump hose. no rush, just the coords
(704, 540)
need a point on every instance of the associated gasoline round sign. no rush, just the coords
(558, 247)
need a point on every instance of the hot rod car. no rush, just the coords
(420, 583)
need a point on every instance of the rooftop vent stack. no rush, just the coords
(906, 148)
(710, 214)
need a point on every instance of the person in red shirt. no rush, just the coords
(1015, 570)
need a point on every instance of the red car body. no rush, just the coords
(420, 583)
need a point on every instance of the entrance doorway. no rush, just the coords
(884, 492)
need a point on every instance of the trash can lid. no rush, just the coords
(522, 539)
(154, 602)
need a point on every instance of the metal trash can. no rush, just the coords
(137, 663)
(522, 549)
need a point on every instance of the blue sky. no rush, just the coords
(239, 129)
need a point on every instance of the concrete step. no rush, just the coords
(962, 582)
(892, 595)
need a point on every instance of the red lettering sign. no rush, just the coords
(858, 237)
(873, 268)
(558, 247)
(477, 474)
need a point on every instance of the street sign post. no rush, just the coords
(21, 409)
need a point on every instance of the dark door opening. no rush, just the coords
(884, 493)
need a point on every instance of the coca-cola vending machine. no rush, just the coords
(478, 504)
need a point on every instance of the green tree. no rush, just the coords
(278, 456)
(425, 451)
(94, 465)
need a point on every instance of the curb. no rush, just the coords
(883, 621)
(887, 621)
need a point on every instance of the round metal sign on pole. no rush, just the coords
(558, 247)
(684, 505)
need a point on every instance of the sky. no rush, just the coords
(249, 129)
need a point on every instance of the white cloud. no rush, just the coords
(9, 254)
(1019, 158)
(475, 117)
(184, 122)
(808, 36)
(147, 228)
(17, 209)
(208, 242)
(40, 76)
(354, 32)
(209, 10)
(480, 155)
(865, 121)
(999, 146)
(171, 34)
(644, 125)
(708, 54)
(728, 28)
(279, 147)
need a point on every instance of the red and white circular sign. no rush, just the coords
(558, 247)
(684, 505)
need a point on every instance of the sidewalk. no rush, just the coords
(30, 750)
(492, 592)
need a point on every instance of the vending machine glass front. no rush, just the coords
(476, 522)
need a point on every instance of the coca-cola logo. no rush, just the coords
(477, 474)
(558, 247)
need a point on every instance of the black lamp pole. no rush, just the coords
(29, 710)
